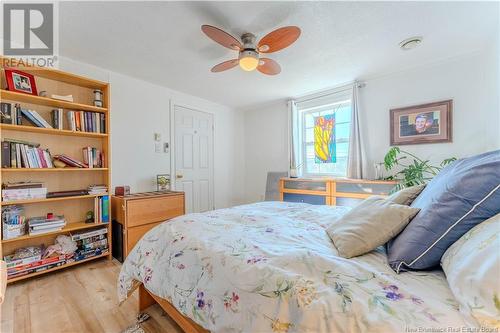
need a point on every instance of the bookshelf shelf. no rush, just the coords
(74, 226)
(51, 169)
(25, 98)
(42, 200)
(27, 276)
(63, 142)
(33, 129)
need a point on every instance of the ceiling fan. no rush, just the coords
(249, 51)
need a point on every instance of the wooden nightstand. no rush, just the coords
(135, 214)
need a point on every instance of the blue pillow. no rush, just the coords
(462, 195)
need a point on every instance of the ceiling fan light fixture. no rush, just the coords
(248, 60)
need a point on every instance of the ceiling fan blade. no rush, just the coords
(278, 39)
(224, 66)
(268, 66)
(221, 37)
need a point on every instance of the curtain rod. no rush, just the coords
(333, 91)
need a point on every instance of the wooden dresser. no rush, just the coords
(135, 214)
(332, 191)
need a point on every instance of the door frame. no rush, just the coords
(173, 171)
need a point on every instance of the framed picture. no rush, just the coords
(426, 123)
(20, 82)
(163, 182)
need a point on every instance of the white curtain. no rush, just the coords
(294, 147)
(356, 164)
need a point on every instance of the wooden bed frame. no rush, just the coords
(147, 298)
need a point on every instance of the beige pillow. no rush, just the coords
(406, 195)
(370, 224)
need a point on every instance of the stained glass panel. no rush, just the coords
(324, 139)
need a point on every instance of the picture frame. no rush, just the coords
(21, 82)
(424, 123)
(163, 182)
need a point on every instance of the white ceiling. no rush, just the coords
(161, 42)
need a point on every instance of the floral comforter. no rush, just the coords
(271, 267)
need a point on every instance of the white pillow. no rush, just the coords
(472, 268)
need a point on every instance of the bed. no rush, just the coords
(271, 267)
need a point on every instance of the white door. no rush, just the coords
(194, 155)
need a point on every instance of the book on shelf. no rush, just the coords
(97, 189)
(86, 121)
(87, 234)
(16, 269)
(24, 256)
(69, 161)
(57, 118)
(62, 194)
(10, 113)
(22, 185)
(23, 191)
(101, 209)
(67, 98)
(22, 154)
(35, 118)
(41, 224)
(93, 157)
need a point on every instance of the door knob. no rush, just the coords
(179, 176)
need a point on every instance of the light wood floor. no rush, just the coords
(81, 299)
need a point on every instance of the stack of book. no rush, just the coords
(101, 209)
(93, 157)
(86, 121)
(29, 260)
(34, 118)
(42, 225)
(90, 243)
(69, 161)
(23, 191)
(97, 189)
(10, 113)
(13, 222)
(23, 154)
(57, 118)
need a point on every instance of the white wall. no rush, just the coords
(139, 109)
(266, 142)
(470, 80)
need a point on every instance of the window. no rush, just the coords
(323, 130)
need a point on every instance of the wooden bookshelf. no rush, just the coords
(74, 208)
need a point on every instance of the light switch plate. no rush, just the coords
(157, 147)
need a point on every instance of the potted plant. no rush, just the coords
(411, 169)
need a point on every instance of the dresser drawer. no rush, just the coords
(367, 188)
(135, 234)
(305, 185)
(305, 198)
(144, 211)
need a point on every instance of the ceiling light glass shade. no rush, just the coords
(249, 61)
